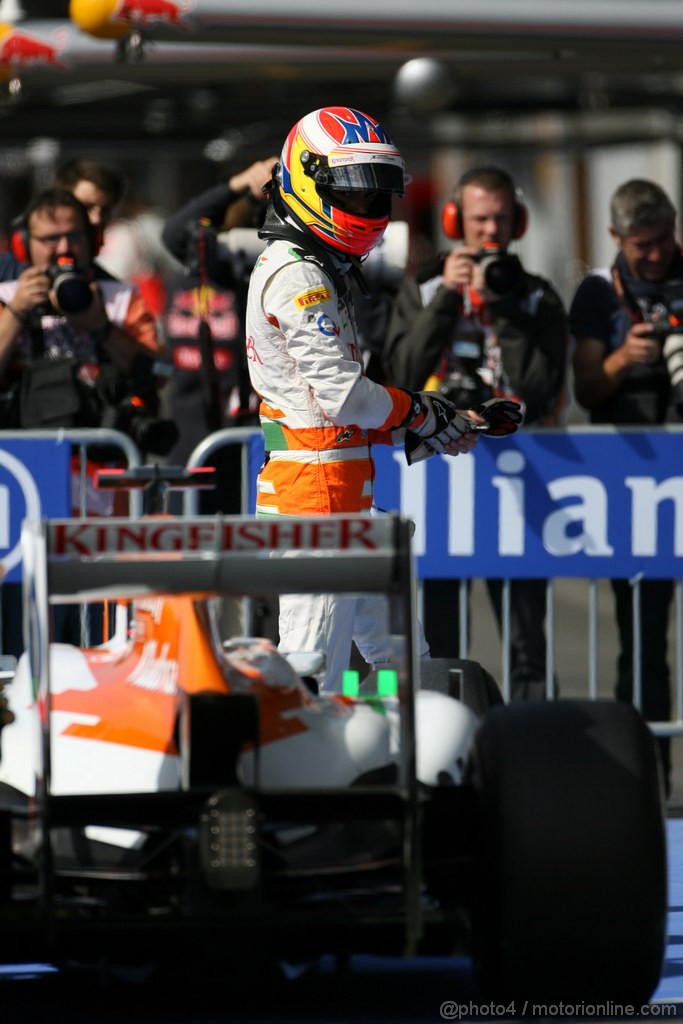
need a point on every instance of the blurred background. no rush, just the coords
(572, 97)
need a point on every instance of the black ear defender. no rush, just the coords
(451, 215)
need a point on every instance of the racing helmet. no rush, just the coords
(328, 154)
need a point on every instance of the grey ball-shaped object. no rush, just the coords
(424, 86)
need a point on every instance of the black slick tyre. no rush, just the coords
(571, 887)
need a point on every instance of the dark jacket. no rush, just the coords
(210, 205)
(530, 327)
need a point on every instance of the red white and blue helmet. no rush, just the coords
(328, 153)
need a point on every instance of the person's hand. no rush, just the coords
(460, 269)
(640, 346)
(502, 416)
(33, 287)
(253, 178)
(435, 425)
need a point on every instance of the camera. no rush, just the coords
(666, 322)
(133, 409)
(503, 273)
(152, 435)
(466, 385)
(70, 285)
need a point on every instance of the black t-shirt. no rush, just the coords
(644, 394)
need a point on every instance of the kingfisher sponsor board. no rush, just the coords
(35, 482)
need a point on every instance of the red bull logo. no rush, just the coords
(21, 49)
(151, 12)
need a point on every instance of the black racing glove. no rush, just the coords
(502, 415)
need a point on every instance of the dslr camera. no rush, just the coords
(503, 273)
(666, 323)
(134, 406)
(70, 284)
(466, 385)
(136, 417)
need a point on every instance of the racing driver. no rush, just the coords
(329, 205)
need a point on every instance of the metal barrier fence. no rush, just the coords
(672, 728)
(202, 455)
(243, 436)
(80, 441)
(83, 440)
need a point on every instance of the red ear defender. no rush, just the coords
(451, 221)
(451, 215)
(18, 242)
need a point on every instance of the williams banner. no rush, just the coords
(35, 481)
(584, 502)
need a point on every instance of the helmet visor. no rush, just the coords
(358, 202)
(372, 174)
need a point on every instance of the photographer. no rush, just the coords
(619, 320)
(58, 304)
(472, 326)
(69, 343)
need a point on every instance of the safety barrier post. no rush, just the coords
(81, 439)
(203, 452)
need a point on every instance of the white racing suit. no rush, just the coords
(319, 415)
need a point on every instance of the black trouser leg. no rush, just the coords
(527, 634)
(441, 617)
(655, 609)
(11, 619)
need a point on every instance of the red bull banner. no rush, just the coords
(113, 19)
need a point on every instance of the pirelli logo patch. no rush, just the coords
(312, 297)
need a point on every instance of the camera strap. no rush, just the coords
(623, 294)
(35, 329)
(473, 303)
(637, 296)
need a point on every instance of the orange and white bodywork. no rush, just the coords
(114, 712)
(120, 715)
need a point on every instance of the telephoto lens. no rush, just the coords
(70, 285)
(503, 273)
(672, 350)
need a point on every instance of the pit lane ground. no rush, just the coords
(371, 990)
(366, 990)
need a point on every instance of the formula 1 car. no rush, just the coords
(171, 784)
